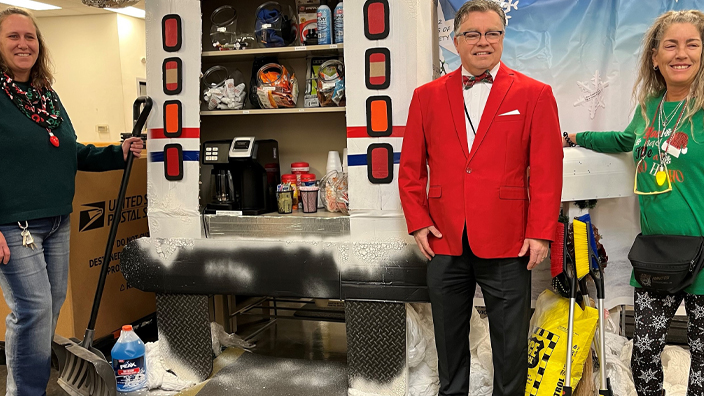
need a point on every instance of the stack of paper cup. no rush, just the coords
(334, 163)
(344, 161)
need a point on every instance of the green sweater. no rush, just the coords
(37, 179)
(680, 211)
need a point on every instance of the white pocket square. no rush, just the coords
(512, 112)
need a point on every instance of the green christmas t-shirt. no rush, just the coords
(672, 155)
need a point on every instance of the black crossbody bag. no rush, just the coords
(666, 263)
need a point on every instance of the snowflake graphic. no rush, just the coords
(696, 345)
(666, 160)
(656, 359)
(669, 300)
(699, 312)
(637, 359)
(637, 319)
(644, 300)
(507, 5)
(643, 343)
(662, 339)
(648, 375)
(696, 378)
(659, 322)
(592, 96)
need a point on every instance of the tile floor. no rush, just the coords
(312, 341)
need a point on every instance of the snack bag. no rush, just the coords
(547, 346)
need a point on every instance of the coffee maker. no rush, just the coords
(244, 175)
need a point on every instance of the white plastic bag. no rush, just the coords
(158, 376)
(415, 342)
(220, 338)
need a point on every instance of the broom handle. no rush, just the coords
(140, 118)
(602, 341)
(568, 368)
(570, 330)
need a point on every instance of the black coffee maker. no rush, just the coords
(244, 175)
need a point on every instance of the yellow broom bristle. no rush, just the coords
(581, 248)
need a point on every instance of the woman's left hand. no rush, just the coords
(133, 144)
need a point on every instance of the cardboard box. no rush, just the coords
(307, 13)
(315, 3)
(93, 206)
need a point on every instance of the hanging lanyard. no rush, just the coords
(469, 119)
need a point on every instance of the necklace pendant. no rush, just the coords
(53, 139)
(660, 176)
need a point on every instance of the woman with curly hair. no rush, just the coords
(666, 136)
(39, 157)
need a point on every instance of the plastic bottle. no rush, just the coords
(338, 17)
(292, 179)
(298, 169)
(128, 361)
(324, 23)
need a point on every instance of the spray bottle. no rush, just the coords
(324, 23)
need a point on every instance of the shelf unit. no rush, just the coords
(282, 52)
(297, 54)
(303, 133)
(295, 110)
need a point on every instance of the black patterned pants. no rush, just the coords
(653, 315)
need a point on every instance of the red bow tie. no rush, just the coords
(469, 81)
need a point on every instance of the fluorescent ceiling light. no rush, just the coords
(32, 5)
(131, 11)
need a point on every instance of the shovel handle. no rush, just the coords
(139, 118)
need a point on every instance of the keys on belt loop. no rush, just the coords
(27, 239)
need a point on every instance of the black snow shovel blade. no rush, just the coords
(83, 370)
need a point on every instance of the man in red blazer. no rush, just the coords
(481, 219)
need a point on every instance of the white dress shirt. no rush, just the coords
(475, 100)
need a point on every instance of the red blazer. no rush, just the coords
(488, 188)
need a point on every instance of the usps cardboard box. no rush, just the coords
(93, 207)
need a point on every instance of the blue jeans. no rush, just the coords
(34, 286)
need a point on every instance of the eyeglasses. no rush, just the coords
(667, 176)
(491, 36)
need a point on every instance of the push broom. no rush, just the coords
(573, 271)
(597, 274)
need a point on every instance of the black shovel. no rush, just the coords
(83, 370)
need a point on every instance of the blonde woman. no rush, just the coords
(39, 157)
(666, 136)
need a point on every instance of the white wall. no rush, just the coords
(97, 62)
(132, 37)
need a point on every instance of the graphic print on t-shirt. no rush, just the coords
(646, 148)
(676, 144)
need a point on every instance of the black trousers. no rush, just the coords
(505, 284)
(653, 315)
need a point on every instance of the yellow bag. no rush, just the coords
(547, 346)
